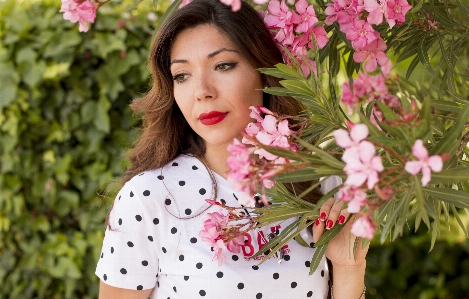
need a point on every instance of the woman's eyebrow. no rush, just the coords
(211, 55)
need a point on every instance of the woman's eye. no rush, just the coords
(225, 66)
(179, 78)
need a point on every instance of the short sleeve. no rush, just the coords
(330, 183)
(129, 257)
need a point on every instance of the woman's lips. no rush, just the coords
(212, 117)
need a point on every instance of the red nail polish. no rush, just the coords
(329, 224)
(318, 222)
(323, 216)
(341, 219)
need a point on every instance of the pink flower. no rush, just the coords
(213, 227)
(307, 16)
(425, 164)
(363, 228)
(376, 11)
(280, 16)
(355, 196)
(234, 245)
(184, 3)
(218, 248)
(82, 12)
(361, 34)
(351, 143)
(239, 160)
(273, 134)
(396, 10)
(373, 54)
(235, 4)
(363, 166)
(320, 35)
(349, 98)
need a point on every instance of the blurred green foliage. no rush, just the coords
(64, 124)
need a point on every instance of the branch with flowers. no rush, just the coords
(400, 145)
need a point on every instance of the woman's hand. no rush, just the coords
(340, 248)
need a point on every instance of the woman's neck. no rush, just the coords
(216, 157)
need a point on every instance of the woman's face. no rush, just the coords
(214, 85)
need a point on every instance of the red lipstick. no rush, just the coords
(212, 117)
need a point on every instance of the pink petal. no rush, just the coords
(274, 7)
(426, 175)
(301, 6)
(371, 65)
(419, 151)
(363, 228)
(413, 167)
(284, 129)
(435, 163)
(270, 124)
(342, 138)
(360, 56)
(359, 132)
(356, 179)
(265, 138)
(367, 151)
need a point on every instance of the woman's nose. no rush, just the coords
(204, 87)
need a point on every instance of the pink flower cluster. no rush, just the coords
(362, 168)
(234, 4)
(247, 172)
(217, 233)
(425, 164)
(81, 11)
(367, 88)
(294, 31)
(365, 40)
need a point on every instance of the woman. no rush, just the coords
(204, 63)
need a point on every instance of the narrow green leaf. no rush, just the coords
(155, 4)
(412, 66)
(317, 258)
(131, 7)
(290, 71)
(273, 216)
(329, 234)
(298, 87)
(457, 198)
(276, 73)
(393, 214)
(171, 9)
(303, 175)
(416, 7)
(458, 219)
(451, 176)
(420, 201)
(423, 55)
(446, 106)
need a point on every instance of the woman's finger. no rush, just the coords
(325, 209)
(317, 229)
(334, 213)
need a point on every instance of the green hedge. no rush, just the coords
(64, 125)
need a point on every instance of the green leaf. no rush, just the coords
(458, 219)
(171, 9)
(282, 214)
(394, 213)
(416, 7)
(298, 87)
(412, 66)
(102, 121)
(327, 158)
(329, 234)
(446, 106)
(317, 258)
(289, 71)
(303, 175)
(457, 198)
(421, 201)
(451, 176)
(423, 55)
(276, 73)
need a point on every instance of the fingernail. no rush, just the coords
(329, 224)
(318, 222)
(341, 219)
(323, 216)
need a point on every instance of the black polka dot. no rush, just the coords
(199, 265)
(150, 238)
(211, 249)
(311, 244)
(102, 254)
(120, 221)
(194, 167)
(139, 287)
(138, 218)
(160, 177)
(167, 201)
(105, 277)
(223, 201)
(130, 244)
(174, 230)
(240, 285)
(258, 295)
(309, 294)
(156, 221)
(202, 191)
(131, 194)
(219, 274)
(286, 257)
(322, 273)
(234, 257)
(145, 263)
(202, 293)
(146, 193)
(158, 284)
(182, 183)
(193, 240)
(308, 264)
(164, 250)
(293, 285)
(181, 257)
(174, 288)
(188, 211)
(112, 249)
(186, 278)
(174, 164)
(275, 276)
(255, 267)
(119, 197)
(123, 271)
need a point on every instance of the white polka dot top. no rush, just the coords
(149, 248)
